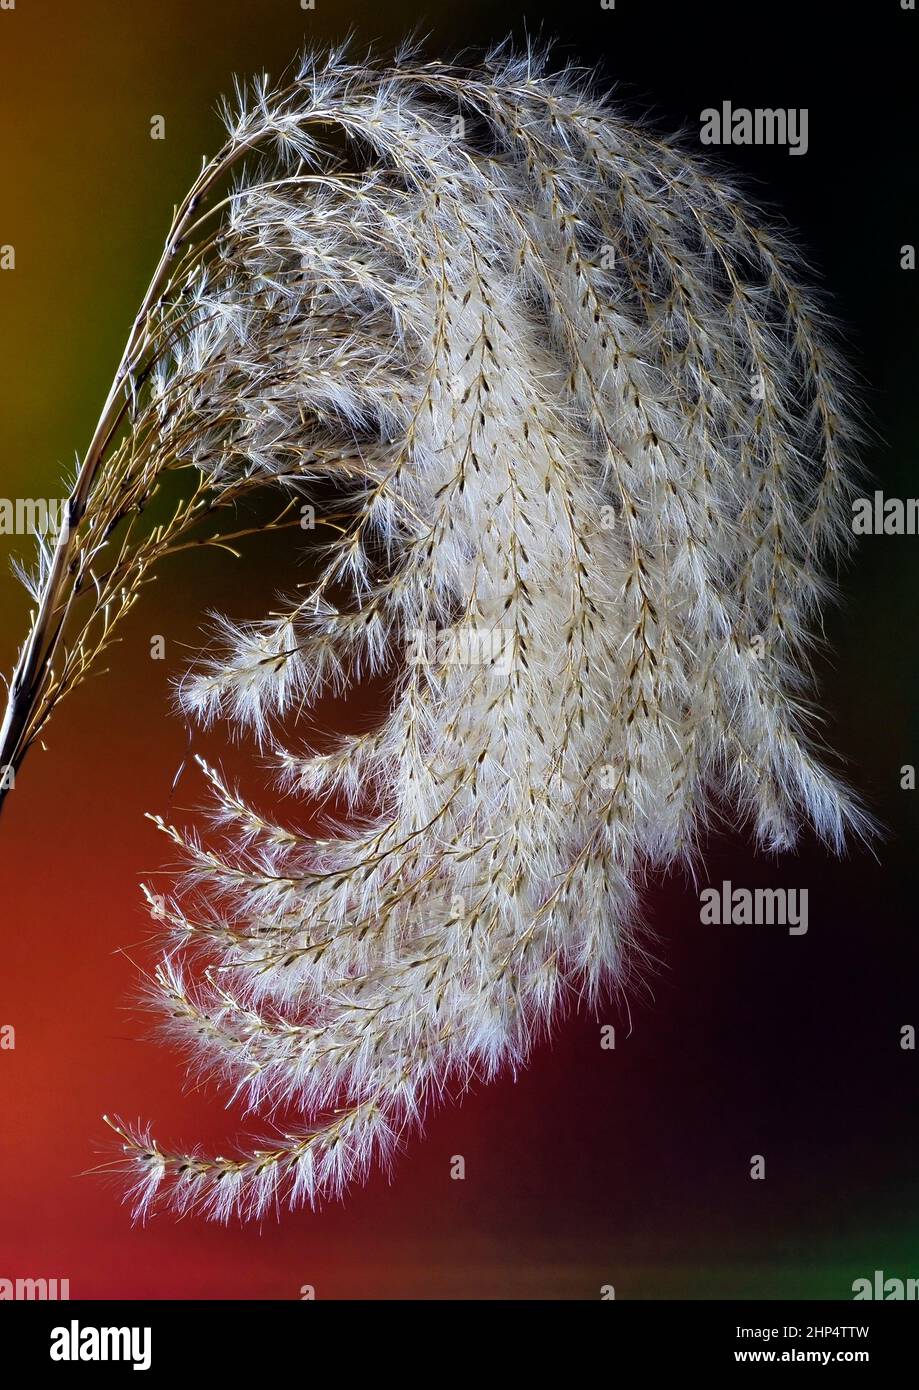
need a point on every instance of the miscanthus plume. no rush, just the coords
(589, 443)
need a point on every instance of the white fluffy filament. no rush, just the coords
(593, 442)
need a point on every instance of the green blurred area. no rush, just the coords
(86, 194)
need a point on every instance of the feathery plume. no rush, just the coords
(591, 445)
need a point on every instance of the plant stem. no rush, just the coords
(29, 676)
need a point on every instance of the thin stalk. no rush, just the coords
(31, 671)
